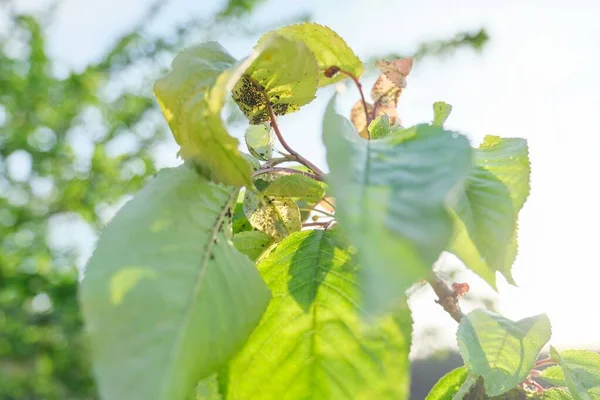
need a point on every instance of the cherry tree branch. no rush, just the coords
(286, 146)
(447, 298)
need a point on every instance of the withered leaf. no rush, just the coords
(359, 118)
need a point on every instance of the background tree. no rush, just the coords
(46, 180)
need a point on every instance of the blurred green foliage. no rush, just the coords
(43, 120)
(46, 176)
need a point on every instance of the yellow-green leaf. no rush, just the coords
(191, 97)
(328, 48)
(313, 341)
(485, 217)
(282, 69)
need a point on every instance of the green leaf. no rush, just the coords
(252, 243)
(166, 298)
(485, 236)
(312, 342)
(259, 140)
(239, 221)
(208, 389)
(191, 97)
(380, 127)
(468, 385)
(285, 70)
(391, 199)
(441, 112)
(291, 185)
(448, 385)
(503, 352)
(582, 372)
(554, 375)
(556, 394)
(278, 217)
(328, 48)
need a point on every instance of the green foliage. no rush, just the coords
(259, 141)
(278, 217)
(391, 199)
(327, 46)
(191, 97)
(448, 385)
(281, 70)
(252, 243)
(174, 305)
(74, 135)
(291, 185)
(173, 238)
(485, 236)
(503, 352)
(553, 375)
(312, 341)
(441, 112)
(581, 371)
(557, 394)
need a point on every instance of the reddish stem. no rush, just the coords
(362, 97)
(275, 127)
(544, 362)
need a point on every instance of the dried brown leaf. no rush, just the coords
(359, 118)
(396, 71)
(387, 88)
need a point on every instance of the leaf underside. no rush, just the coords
(391, 197)
(166, 298)
(501, 351)
(312, 342)
(485, 217)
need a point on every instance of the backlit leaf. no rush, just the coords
(554, 375)
(294, 185)
(252, 243)
(166, 298)
(278, 217)
(391, 197)
(285, 71)
(503, 352)
(328, 48)
(448, 385)
(312, 342)
(556, 394)
(485, 236)
(191, 97)
(441, 112)
(259, 140)
(581, 370)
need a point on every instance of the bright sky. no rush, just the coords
(537, 78)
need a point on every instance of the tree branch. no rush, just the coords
(447, 298)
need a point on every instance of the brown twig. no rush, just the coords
(447, 298)
(275, 127)
(362, 97)
(544, 362)
(290, 170)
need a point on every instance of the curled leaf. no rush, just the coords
(284, 71)
(330, 50)
(260, 140)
